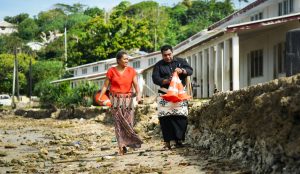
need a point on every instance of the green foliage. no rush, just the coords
(141, 8)
(158, 22)
(28, 29)
(61, 95)
(50, 94)
(94, 12)
(51, 20)
(101, 40)
(53, 51)
(119, 9)
(6, 71)
(178, 13)
(16, 19)
(69, 9)
(77, 19)
(44, 72)
(8, 44)
(187, 3)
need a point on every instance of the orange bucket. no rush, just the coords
(103, 101)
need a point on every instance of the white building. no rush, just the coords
(35, 46)
(7, 28)
(243, 49)
(96, 71)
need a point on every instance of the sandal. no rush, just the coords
(124, 149)
(179, 144)
(167, 146)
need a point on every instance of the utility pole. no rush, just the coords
(155, 29)
(66, 54)
(30, 78)
(13, 104)
(17, 76)
(155, 39)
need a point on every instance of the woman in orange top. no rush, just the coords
(121, 79)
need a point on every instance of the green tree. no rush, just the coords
(44, 72)
(70, 9)
(101, 40)
(93, 12)
(52, 20)
(178, 13)
(119, 9)
(6, 71)
(16, 19)
(28, 29)
(157, 18)
(9, 43)
(53, 50)
(187, 3)
(76, 19)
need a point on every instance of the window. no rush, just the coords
(280, 9)
(136, 64)
(84, 71)
(260, 16)
(256, 58)
(73, 84)
(151, 61)
(75, 72)
(285, 7)
(291, 5)
(95, 69)
(257, 16)
(189, 59)
(106, 66)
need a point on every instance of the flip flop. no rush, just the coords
(166, 147)
(124, 149)
(179, 145)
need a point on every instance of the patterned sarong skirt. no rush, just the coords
(173, 119)
(123, 112)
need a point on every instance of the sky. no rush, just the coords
(33, 7)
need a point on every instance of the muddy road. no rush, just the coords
(49, 145)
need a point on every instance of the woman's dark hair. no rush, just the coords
(165, 48)
(120, 54)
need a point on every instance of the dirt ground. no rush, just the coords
(49, 145)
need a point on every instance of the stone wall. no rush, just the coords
(258, 125)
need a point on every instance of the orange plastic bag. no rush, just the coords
(175, 91)
(103, 101)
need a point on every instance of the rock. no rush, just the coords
(132, 164)
(10, 146)
(184, 164)
(105, 148)
(44, 151)
(3, 154)
(108, 165)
